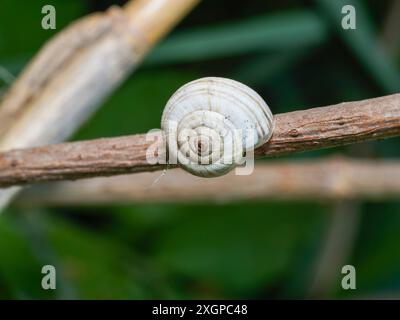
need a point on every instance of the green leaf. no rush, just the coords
(285, 31)
(376, 258)
(97, 266)
(364, 43)
(20, 269)
(238, 249)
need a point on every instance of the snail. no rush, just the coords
(211, 123)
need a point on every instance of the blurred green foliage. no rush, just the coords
(295, 54)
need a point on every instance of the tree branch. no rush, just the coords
(312, 180)
(297, 131)
(331, 126)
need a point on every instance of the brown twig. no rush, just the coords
(336, 125)
(297, 131)
(294, 132)
(313, 180)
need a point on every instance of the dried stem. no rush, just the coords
(329, 179)
(76, 70)
(61, 87)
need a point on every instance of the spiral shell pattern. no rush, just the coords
(210, 124)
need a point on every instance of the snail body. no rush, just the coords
(211, 123)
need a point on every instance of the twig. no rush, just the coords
(336, 125)
(297, 131)
(78, 69)
(314, 180)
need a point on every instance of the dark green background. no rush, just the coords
(295, 54)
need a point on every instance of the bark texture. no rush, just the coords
(298, 131)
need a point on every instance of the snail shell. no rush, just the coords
(211, 123)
